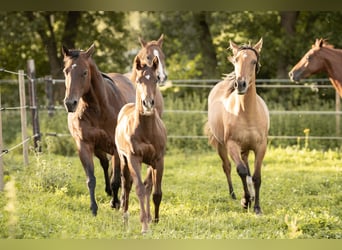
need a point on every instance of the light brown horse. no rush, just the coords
(140, 137)
(322, 57)
(238, 122)
(148, 51)
(93, 101)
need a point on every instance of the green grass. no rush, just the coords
(300, 198)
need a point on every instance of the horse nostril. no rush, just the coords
(290, 74)
(244, 84)
(152, 102)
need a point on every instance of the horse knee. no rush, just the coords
(91, 182)
(242, 170)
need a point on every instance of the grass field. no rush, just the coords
(300, 197)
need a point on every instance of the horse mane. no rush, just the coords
(322, 42)
(229, 79)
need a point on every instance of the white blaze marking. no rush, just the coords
(73, 66)
(147, 77)
(160, 66)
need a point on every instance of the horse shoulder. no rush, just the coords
(265, 111)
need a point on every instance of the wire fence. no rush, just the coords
(185, 83)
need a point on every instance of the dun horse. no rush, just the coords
(322, 57)
(140, 137)
(148, 51)
(238, 122)
(93, 101)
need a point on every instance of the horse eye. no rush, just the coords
(85, 73)
(308, 58)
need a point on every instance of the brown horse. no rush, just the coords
(322, 57)
(238, 121)
(140, 137)
(93, 101)
(148, 51)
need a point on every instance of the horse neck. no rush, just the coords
(247, 102)
(332, 60)
(97, 92)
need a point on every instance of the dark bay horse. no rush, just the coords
(93, 101)
(322, 57)
(238, 122)
(140, 137)
(148, 51)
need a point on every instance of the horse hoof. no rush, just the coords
(115, 204)
(257, 211)
(233, 196)
(245, 204)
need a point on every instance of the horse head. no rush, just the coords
(246, 64)
(146, 85)
(310, 63)
(152, 49)
(77, 75)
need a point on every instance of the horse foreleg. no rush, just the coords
(148, 186)
(259, 156)
(157, 175)
(242, 169)
(222, 151)
(126, 182)
(134, 165)
(115, 180)
(85, 155)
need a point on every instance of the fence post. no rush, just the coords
(338, 109)
(23, 115)
(31, 72)
(1, 163)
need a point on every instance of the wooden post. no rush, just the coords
(31, 72)
(338, 116)
(1, 163)
(23, 114)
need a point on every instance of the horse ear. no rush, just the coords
(142, 42)
(90, 51)
(160, 40)
(155, 62)
(234, 47)
(65, 51)
(258, 45)
(137, 63)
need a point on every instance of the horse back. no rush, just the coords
(125, 86)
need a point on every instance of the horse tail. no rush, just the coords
(211, 138)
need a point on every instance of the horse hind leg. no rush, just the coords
(105, 166)
(222, 151)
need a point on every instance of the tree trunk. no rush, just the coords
(288, 21)
(206, 44)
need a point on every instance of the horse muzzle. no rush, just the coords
(162, 78)
(70, 104)
(241, 86)
(148, 106)
(294, 76)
